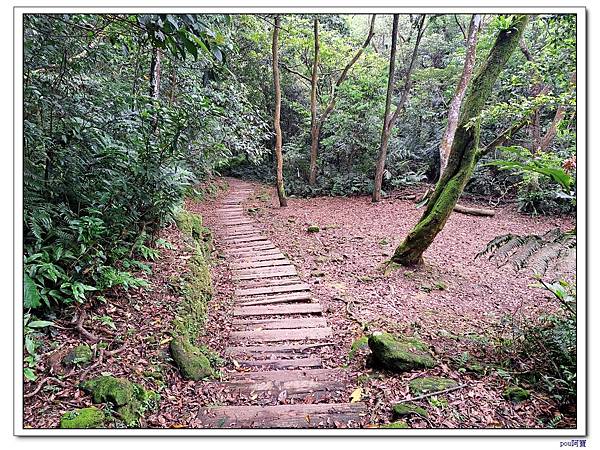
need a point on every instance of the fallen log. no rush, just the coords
(474, 211)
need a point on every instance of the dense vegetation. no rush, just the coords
(126, 115)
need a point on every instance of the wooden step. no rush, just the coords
(287, 375)
(247, 242)
(254, 274)
(263, 263)
(250, 270)
(272, 289)
(279, 335)
(278, 348)
(250, 248)
(291, 387)
(330, 415)
(301, 308)
(293, 363)
(268, 255)
(274, 324)
(279, 298)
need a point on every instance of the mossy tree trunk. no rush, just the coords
(277, 115)
(463, 154)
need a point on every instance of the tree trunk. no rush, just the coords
(315, 126)
(316, 130)
(386, 130)
(463, 153)
(454, 109)
(390, 121)
(545, 141)
(155, 83)
(277, 115)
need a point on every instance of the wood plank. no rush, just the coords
(262, 256)
(279, 348)
(269, 282)
(265, 272)
(296, 334)
(276, 269)
(273, 324)
(260, 263)
(301, 308)
(295, 363)
(249, 242)
(250, 248)
(283, 416)
(287, 375)
(290, 386)
(302, 296)
(272, 289)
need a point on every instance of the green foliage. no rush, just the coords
(554, 249)
(105, 165)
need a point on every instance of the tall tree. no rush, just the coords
(317, 122)
(155, 82)
(277, 115)
(314, 125)
(390, 120)
(461, 89)
(464, 151)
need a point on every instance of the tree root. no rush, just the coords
(85, 333)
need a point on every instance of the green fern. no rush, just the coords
(554, 249)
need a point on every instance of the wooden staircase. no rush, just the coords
(278, 337)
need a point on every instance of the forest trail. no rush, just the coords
(276, 329)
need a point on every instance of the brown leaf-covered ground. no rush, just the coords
(465, 308)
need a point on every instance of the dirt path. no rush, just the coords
(278, 336)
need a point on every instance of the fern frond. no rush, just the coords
(554, 249)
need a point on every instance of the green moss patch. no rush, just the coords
(192, 362)
(313, 229)
(516, 394)
(91, 417)
(399, 424)
(130, 399)
(399, 354)
(82, 354)
(425, 385)
(407, 409)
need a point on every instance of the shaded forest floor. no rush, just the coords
(465, 308)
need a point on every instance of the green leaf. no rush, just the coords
(31, 296)
(29, 374)
(40, 324)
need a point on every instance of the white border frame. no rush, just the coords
(582, 403)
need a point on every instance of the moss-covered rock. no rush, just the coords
(313, 229)
(118, 391)
(407, 409)
(131, 399)
(91, 417)
(424, 385)
(82, 354)
(399, 424)
(516, 394)
(399, 354)
(192, 363)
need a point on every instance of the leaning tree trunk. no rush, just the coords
(315, 126)
(463, 153)
(389, 122)
(386, 130)
(277, 115)
(461, 89)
